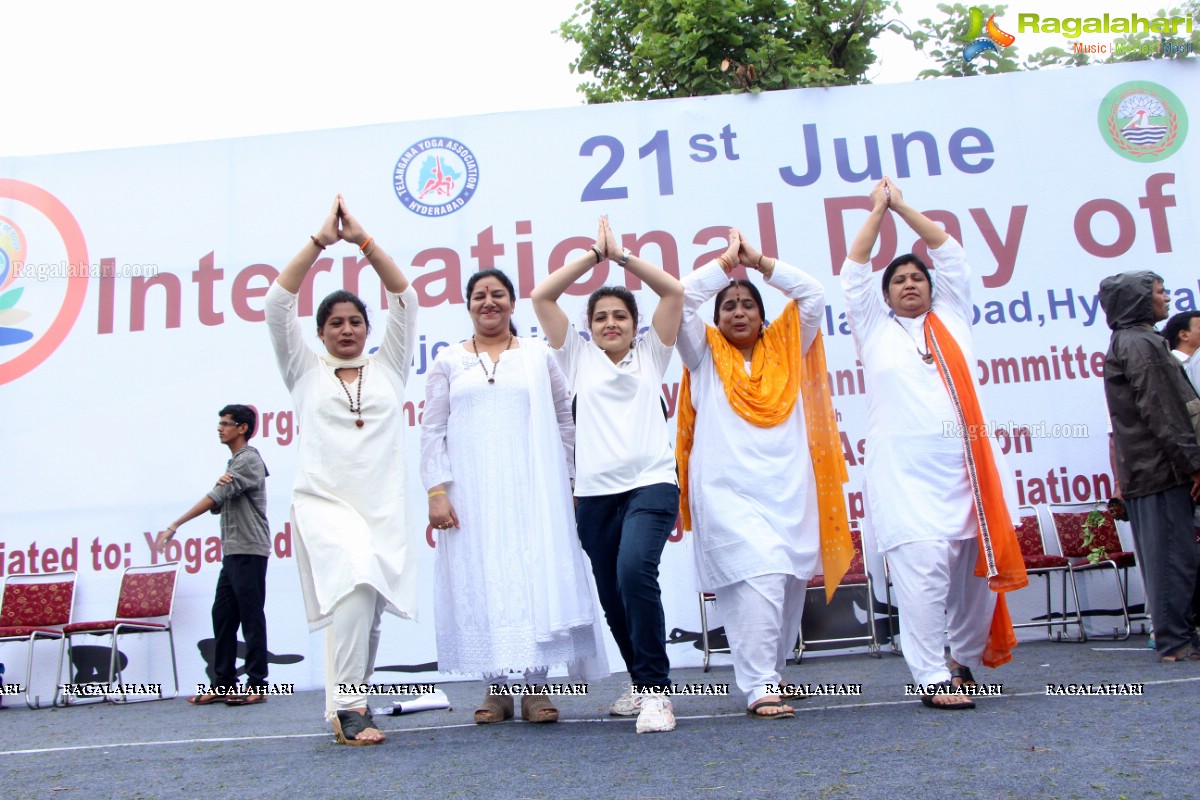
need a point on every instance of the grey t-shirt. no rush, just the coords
(242, 504)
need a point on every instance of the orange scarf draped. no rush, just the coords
(765, 398)
(999, 553)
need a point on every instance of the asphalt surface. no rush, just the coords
(1023, 744)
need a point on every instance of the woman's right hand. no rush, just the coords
(328, 234)
(729, 259)
(441, 513)
(607, 240)
(881, 195)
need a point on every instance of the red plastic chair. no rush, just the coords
(1068, 525)
(1032, 541)
(144, 605)
(36, 607)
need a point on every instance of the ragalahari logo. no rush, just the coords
(36, 315)
(983, 37)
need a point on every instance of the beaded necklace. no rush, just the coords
(358, 423)
(490, 376)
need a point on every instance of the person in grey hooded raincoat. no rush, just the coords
(1158, 457)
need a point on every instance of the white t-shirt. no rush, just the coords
(1191, 365)
(621, 437)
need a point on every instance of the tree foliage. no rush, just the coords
(651, 49)
(943, 40)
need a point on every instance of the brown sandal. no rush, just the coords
(495, 708)
(348, 725)
(538, 708)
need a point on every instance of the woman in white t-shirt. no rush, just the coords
(626, 490)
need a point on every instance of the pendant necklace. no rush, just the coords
(492, 375)
(927, 357)
(358, 423)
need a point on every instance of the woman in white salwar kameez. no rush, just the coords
(751, 479)
(512, 586)
(349, 513)
(925, 483)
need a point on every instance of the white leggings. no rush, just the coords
(351, 642)
(762, 622)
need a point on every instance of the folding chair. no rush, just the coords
(856, 576)
(144, 605)
(36, 607)
(1068, 522)
(705, 644)
(1032, 541)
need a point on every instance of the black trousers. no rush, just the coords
(241, 594)
(1166, 540)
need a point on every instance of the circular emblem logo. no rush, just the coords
(35, 314)
(436, 177)
(1143, 121)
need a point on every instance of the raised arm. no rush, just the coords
(669, 311)
(930, 232)
(545, 295)
(798, 285)
(865, 308)
(698, 287)
(351, 231)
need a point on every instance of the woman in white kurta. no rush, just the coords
(348, 504)
(752, 492)
(920, 497)
(511, 583)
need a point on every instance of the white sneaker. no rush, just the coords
(627, 705)
(657, 715)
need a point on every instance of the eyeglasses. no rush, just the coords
(224, 424)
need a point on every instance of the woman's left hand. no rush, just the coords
(351, 231)
(729, 259)
(610, 246)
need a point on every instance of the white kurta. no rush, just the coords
(349, 509)
(753, 494)
(915, 465)
(512, 586)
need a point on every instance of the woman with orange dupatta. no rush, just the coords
(760, 465)
(940, 495)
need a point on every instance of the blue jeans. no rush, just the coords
(624, 536)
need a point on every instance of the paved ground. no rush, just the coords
(880, 745)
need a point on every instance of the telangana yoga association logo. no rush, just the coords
(36, 313)
(436, 176)
(1143, 121)
(982, 37)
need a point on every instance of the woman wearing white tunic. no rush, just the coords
(921, 504)
(750, 475)
(348, 505)
(627, 496)
(511, 582)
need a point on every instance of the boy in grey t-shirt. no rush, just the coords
(240, 497)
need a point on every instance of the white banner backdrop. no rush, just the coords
(131, 297)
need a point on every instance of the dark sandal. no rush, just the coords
(538, 708)
(495, 708)
(347, 726)
(206, 699)
(964, 675)
(245, 700)
(948, 689)
(756, 710)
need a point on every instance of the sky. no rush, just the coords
(83, 76)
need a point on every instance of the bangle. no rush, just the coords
(363, 247)
(436, 492)
(317, 243)
(599, 255)
(172, 528)
(725, 265)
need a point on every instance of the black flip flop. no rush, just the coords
(946, 688)
(753, 711)
(347, 725)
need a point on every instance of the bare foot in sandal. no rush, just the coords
(771, 707)
(355, 727)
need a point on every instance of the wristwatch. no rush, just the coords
(625, 254)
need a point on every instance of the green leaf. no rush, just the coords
(10, 298)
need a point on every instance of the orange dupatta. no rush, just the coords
(766, 397)
(999, 553)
